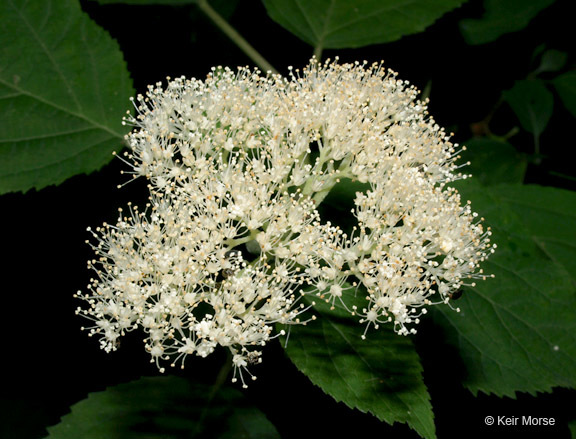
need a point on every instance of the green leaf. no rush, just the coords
(549, 217)
(334, 24)
(572, 427)
(339, 202)
(552, 61)
(493, 161)
(532, 103)
(381, 375)
(501, 17)
(63, 90)
(517, 332)
(342, 195)
(163, 407)
(566, 88)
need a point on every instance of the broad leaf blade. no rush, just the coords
(533, 104)
(166, 407)
(63, 90)
(493, 161)
(517, 332)
(501, 17)
(381, 375)
(549, 216)
(334, 24)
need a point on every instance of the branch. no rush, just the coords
(238, 39)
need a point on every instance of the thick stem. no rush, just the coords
(238, 39)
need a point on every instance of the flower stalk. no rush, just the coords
(233, 34)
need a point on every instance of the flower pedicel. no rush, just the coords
(231, 239)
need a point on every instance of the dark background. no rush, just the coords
(50, 364)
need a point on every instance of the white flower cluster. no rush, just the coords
(232, 239)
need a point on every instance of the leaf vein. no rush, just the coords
(48, 55)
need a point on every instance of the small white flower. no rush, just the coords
(237, 166)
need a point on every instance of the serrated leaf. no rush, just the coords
(532, 103)
(517, 332)
(501, 17)
(335, 24)
(64, 88)
(163, 407)
(381, 375)
(566, 88)
(493, 161)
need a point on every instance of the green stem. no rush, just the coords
(537, 157)
(319, 196)
(318, 52)
(238, 241)
(220, 380)
(238, 39)
(221, 377)
(561, 175)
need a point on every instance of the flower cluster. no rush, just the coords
(231, 239)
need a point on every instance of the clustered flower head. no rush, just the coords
(231, 240)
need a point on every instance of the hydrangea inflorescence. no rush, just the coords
(231, 239)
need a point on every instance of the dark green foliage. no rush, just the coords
(493, 161)
(517, 332)
(166, 407)
(501, 17)
(380, 375)
(334, 24)
(565, 85)
(63, 90)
